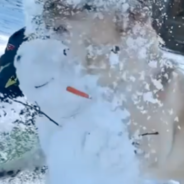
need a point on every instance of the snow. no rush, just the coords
(95, 158)
(11, 16)
(103, 156)
(92, 142)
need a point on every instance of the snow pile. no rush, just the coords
(92, 142)
(16, 122)
(19, 144)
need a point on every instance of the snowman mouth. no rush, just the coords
(44, 84)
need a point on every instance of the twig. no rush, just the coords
(37, 109)
(153, 133)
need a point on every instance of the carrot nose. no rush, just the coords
(77, 92)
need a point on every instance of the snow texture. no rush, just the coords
(91, 141)
(11, 16)
(92, 144)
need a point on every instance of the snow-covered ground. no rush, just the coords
(11, 16)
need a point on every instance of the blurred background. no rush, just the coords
(11, 19)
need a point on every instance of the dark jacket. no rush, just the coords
(9, 84)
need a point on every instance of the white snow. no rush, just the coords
(11, 16)
(99, 157)
(3, 42)
(87, 148)
(92, 144)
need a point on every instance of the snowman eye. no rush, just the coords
(89, 7)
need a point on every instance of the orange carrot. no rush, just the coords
(77, 92)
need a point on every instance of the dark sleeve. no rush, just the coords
(7, 69)
(5, 72)
(13, 44)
